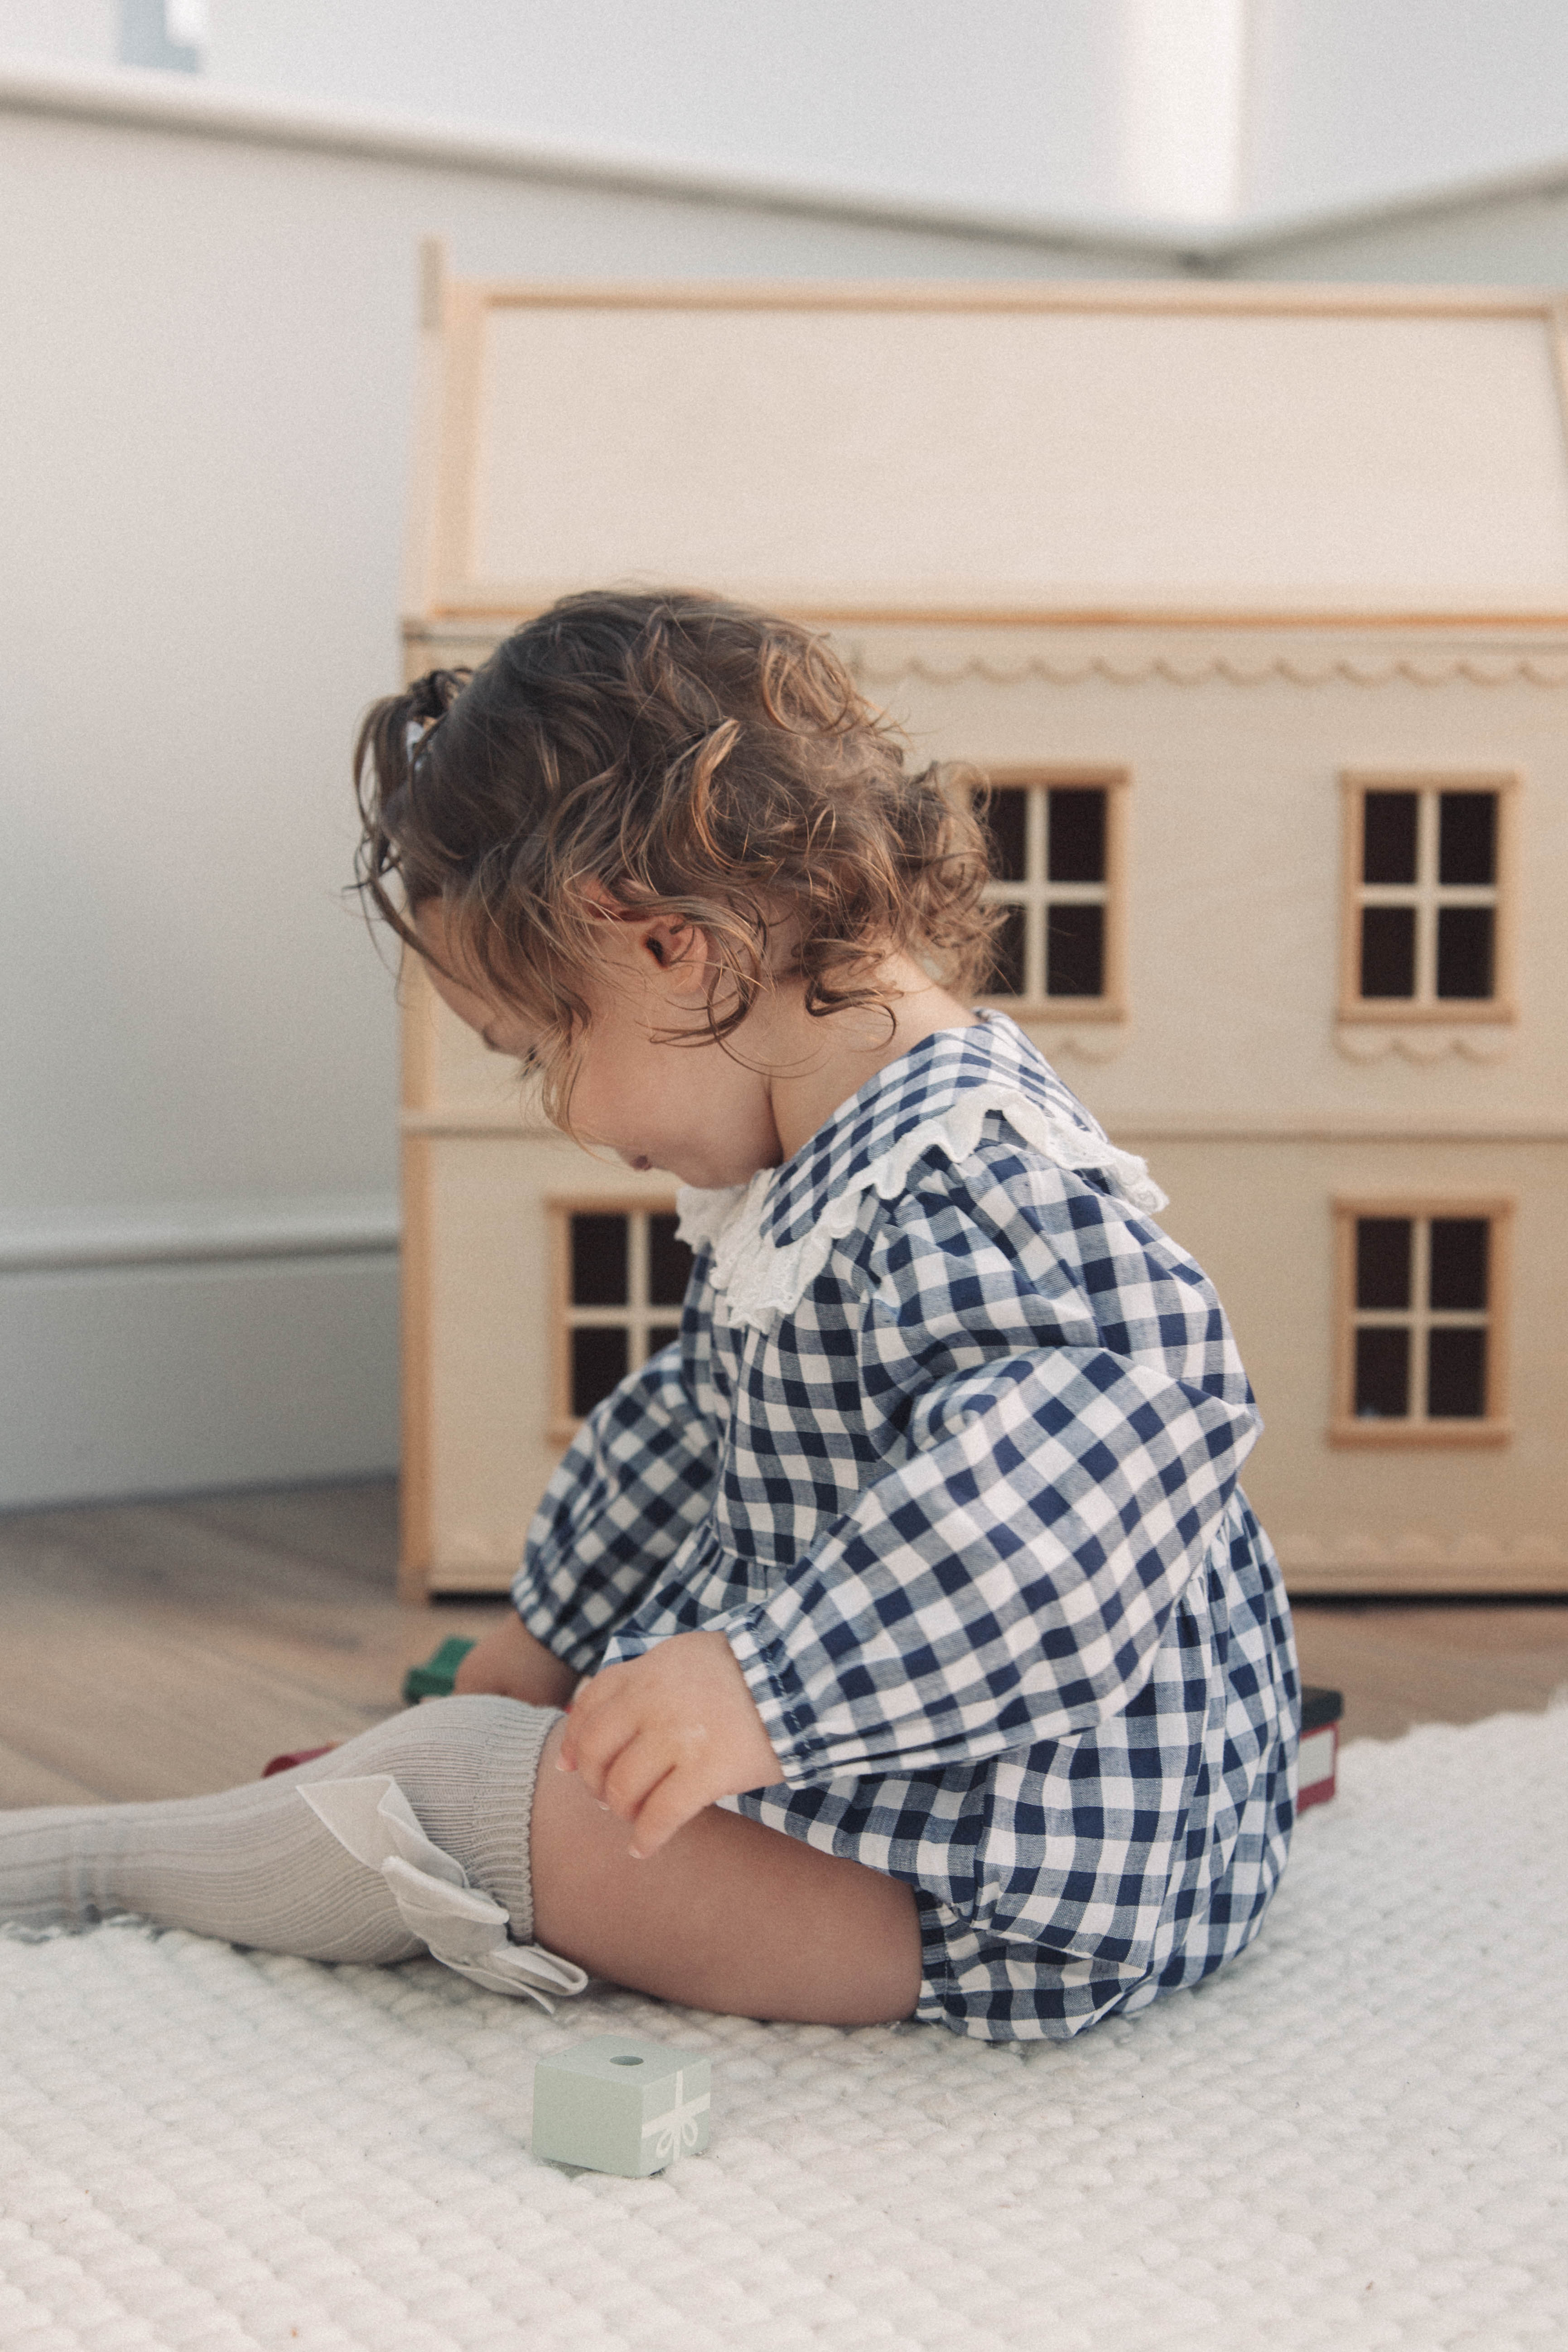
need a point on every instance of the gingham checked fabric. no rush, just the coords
(948, 1449)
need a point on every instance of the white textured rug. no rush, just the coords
(1353, 2139)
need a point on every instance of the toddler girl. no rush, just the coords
(922, 1653)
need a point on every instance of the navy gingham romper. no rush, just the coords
(948, 1449)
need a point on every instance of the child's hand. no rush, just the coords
(659, 1738)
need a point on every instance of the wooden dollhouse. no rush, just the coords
(1253, 604)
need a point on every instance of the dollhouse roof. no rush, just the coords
(998, 453)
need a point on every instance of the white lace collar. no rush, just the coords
(773, 1237)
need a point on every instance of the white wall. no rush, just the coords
(1011, 104)
(68, 32)
(1517, 238)
(1200, 112)
(1082, 107)
(1351, 101)
(207, 348)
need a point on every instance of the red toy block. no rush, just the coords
(1320, 1713)
(300, 1756)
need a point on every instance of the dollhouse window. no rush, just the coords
(1427, 922)
(1423, 1294)
(1056, 870)
(621, 1278)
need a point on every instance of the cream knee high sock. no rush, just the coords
(254, 1866)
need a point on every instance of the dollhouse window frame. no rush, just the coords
(1417, 1428)
(1427, 893)
(639, 1317)
(1036, 892)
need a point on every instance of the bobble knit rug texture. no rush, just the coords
(1353, 2137)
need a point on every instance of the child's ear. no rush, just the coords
(667, 938)
(670, 939)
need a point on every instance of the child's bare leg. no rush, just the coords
(730, 1916)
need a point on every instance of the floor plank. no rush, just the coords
(162, 1649)
(24, 1782)
(1403, 1663)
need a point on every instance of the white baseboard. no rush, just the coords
(168, 1354)
(198, 1233)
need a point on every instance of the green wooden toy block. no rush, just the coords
(620, 2105)
(434, 1678)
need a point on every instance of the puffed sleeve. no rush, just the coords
(636, 1480)
(1073, 1420)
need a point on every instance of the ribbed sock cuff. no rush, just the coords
(497, 1857)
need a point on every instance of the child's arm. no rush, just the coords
(509, 1662)
(635, 1481)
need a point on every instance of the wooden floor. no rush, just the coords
(162, 1649)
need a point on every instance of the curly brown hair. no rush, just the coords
(696, 758)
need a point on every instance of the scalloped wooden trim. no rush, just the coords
(1101, 1043)
(1222, 667)
(1363, 1038)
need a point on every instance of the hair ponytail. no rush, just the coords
(392, 744)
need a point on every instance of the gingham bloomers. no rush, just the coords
(948, 1449)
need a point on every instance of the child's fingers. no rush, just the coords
(673, 1801)
(636, 1772)
(588, 1705)
(594, 1739)
(587, 1702)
